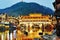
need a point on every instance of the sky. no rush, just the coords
(8, 3)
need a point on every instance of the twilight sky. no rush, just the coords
(8, 3)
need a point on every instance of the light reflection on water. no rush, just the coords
(13, 35)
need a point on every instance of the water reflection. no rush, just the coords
(14, 32)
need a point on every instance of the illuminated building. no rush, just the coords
(30, 27)
(35, 25)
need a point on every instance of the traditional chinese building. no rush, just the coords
(32, 19)
(36, 24)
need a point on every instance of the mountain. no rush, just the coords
(23, 8)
